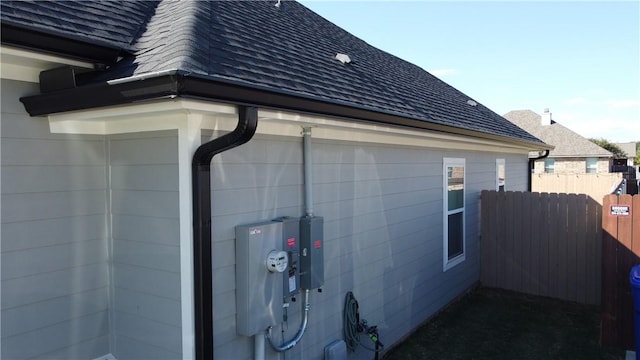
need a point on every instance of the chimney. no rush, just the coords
(546, 117)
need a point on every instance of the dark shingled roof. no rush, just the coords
(107, 23)
(287, 50)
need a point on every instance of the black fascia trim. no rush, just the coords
(58, 45)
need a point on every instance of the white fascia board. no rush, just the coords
(24, 65)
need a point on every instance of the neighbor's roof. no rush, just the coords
(567, 143)
(629, 149)
(287, 50)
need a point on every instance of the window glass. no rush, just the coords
(455, 187)
(592, 165)
(454, 238)
(549, 165)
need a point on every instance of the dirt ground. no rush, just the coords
(499, 324)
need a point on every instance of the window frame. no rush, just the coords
(549, 164)
(500, 162)
(449, 263)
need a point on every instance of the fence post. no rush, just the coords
(620, 251)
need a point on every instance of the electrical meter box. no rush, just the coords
(311, 252)
(260, 263)
(291, 244)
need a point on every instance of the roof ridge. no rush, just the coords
(170, 28)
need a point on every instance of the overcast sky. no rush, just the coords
(580, 59)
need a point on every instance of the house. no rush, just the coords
(627, 167)
(573, 154)
(575, 165)
(629, 149)
(144, 143)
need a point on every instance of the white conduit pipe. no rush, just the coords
(308, 185)
(258, 347)
(308, 200)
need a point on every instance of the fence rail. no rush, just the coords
(542, 244)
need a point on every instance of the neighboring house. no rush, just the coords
(573, 154)
(138, 136)
(575, 165)
(629, 149)
(628, 169)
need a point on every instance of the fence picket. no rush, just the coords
(544, 244)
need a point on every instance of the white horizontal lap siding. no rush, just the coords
(146, 247)
(382, 207)
(54, 237)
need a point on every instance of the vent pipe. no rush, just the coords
(546, 117)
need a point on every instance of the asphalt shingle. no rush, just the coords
(108, 23)
(287, 49)
(567, 143)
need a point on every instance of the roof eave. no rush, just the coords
(58, 45)
(171, 84)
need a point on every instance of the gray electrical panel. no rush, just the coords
(257, 289)
(291, 244)
(311, 252)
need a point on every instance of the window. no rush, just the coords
(500, 173)
(592, 165)
(453, 240)
(549, 165)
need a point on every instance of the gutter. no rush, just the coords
(202, 259)
(532, 162)
(176, 83)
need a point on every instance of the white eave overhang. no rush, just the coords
(25, 65)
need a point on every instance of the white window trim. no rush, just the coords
(450, 263)
(498, 163)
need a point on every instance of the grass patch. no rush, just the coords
(499, 324)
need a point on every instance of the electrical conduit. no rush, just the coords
(308, 200)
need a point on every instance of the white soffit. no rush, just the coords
(164, 114)
(24, 65)
(172, 114)
(290, 124)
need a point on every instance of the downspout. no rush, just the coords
(202, 259)
(532, 162)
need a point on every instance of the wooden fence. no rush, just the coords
(594, 185)
(620, 251)
(542, 244)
